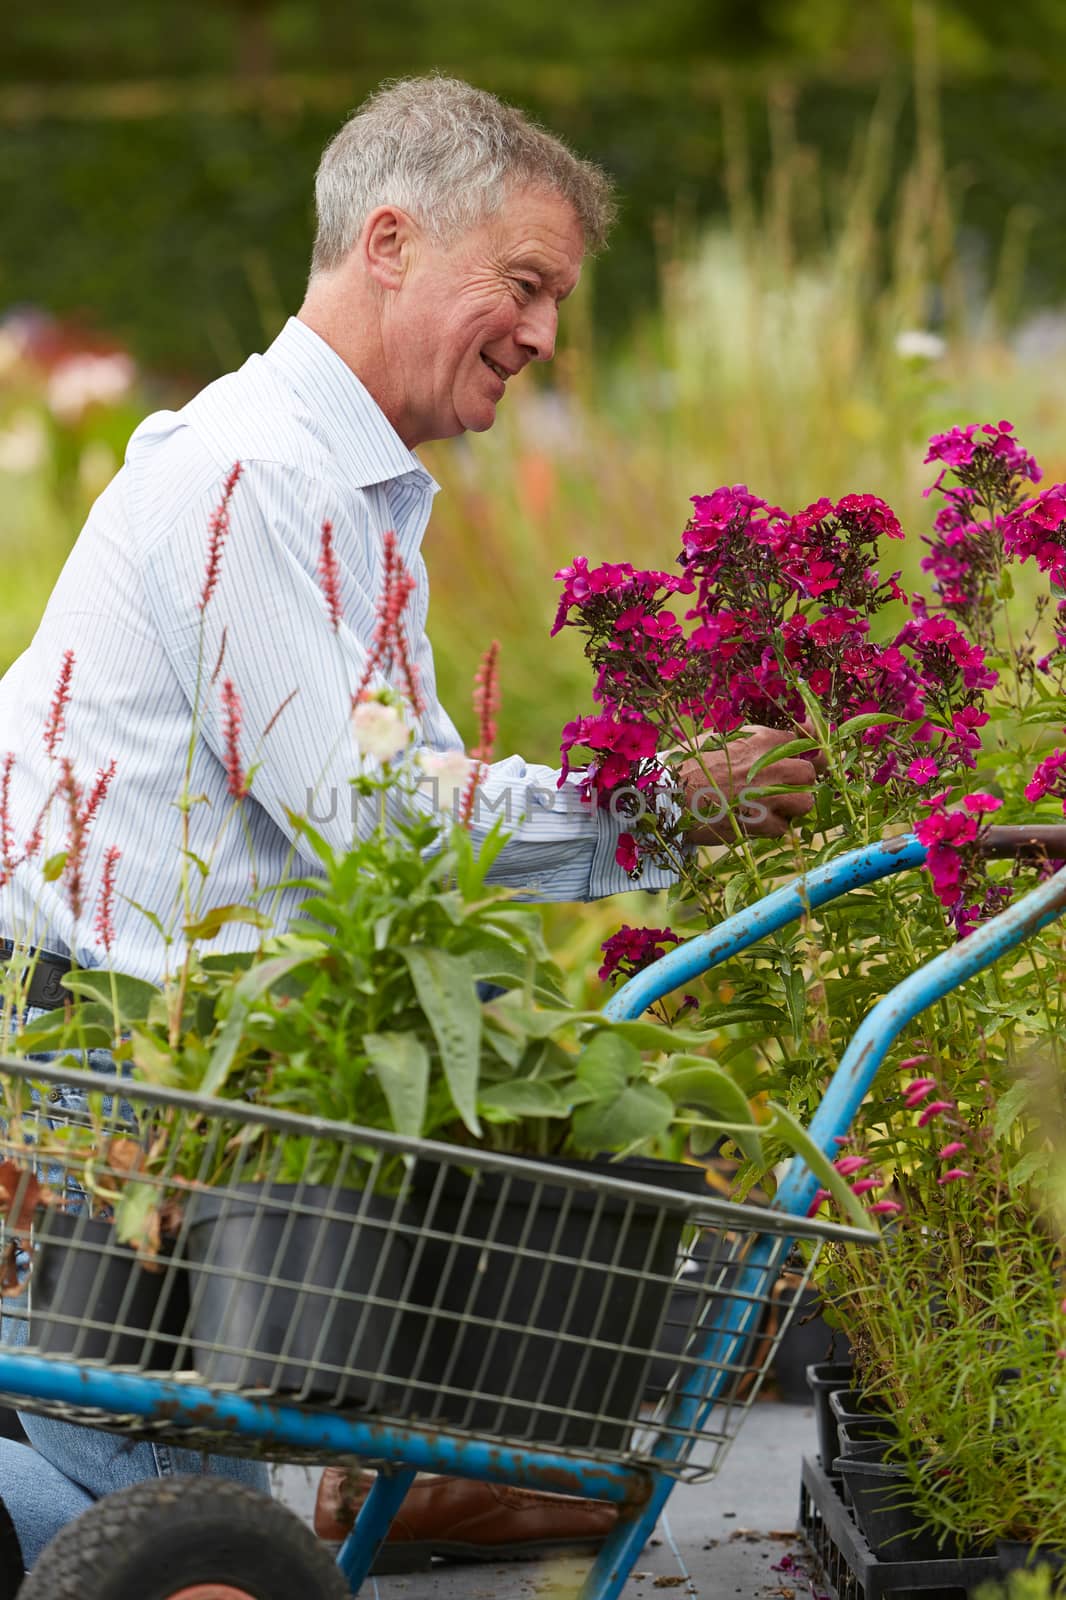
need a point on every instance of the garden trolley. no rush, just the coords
(354, 1296)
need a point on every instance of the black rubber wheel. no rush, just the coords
(185, 1539)
(11, 1572)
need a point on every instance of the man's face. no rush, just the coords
(471, 315)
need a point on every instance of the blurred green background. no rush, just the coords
(842, 227)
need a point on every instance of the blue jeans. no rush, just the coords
(66, 1467)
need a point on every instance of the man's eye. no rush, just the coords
(527, 286)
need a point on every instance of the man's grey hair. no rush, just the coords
(448, 154)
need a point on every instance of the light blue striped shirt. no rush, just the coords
(314, 447)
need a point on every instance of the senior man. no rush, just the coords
(450, 230)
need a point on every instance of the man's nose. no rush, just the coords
(538, 329)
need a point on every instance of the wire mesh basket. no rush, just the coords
(433, 1287)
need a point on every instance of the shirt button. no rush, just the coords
(55, 1095)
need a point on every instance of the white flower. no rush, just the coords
(84, 380)
(447, 773)
(380, 730)
(448, 767)
(24, 445)
(920, 344)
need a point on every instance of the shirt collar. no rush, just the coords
(361, 434)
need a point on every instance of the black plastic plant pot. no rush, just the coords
(851, 1405)
(880, 1500)
(1020, 1555)
(95, 1299)
(823, 1379)
(526, 1286)
(298, 1289)
(807, 1339)
(875, 1434)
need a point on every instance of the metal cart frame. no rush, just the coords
(639, 1484)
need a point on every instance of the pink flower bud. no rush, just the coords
(953, 1149)
(885, 1208)
(846, 1165)
(954, 1175)
(935, 1108)
(917, 1091)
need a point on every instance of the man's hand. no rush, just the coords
(718, 791)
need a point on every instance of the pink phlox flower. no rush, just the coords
(632, 618)
(870, 516)
(663, 626)
(1000, 440)
(923, 770)
(935, 1108)
(981, 804)
(1048, 777)
(626, 854)
(818, 578)
(955, 448)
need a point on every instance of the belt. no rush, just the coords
(45, 989)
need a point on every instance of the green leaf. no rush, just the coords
(446, 992)
(135, 995)
(783, 752)
(636, 1115)
(133, 1213)
(495, 963)
(46, 1033)
(607, 1063)
(53, 867)
(652, 1035)
(624, 1109)
(1009, 1109)
(401, 1062)
(153, 1060)
(211, 924)
(256, 981)
(524, 1098)
(149, 916)
(868, 719)
(697, 1084)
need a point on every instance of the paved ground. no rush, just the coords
(717, 1540)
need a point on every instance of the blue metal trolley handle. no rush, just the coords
(864, 1055)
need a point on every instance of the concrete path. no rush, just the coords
(733, 1536)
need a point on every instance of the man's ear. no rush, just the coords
(387, 243)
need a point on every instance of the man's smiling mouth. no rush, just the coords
(493, 366)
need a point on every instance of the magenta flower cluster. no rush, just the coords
(630, 950)
(777, 605)
(769, 610)
(952, 837)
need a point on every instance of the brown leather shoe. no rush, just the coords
(464, 1519)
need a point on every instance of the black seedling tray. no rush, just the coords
(849, 1568)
